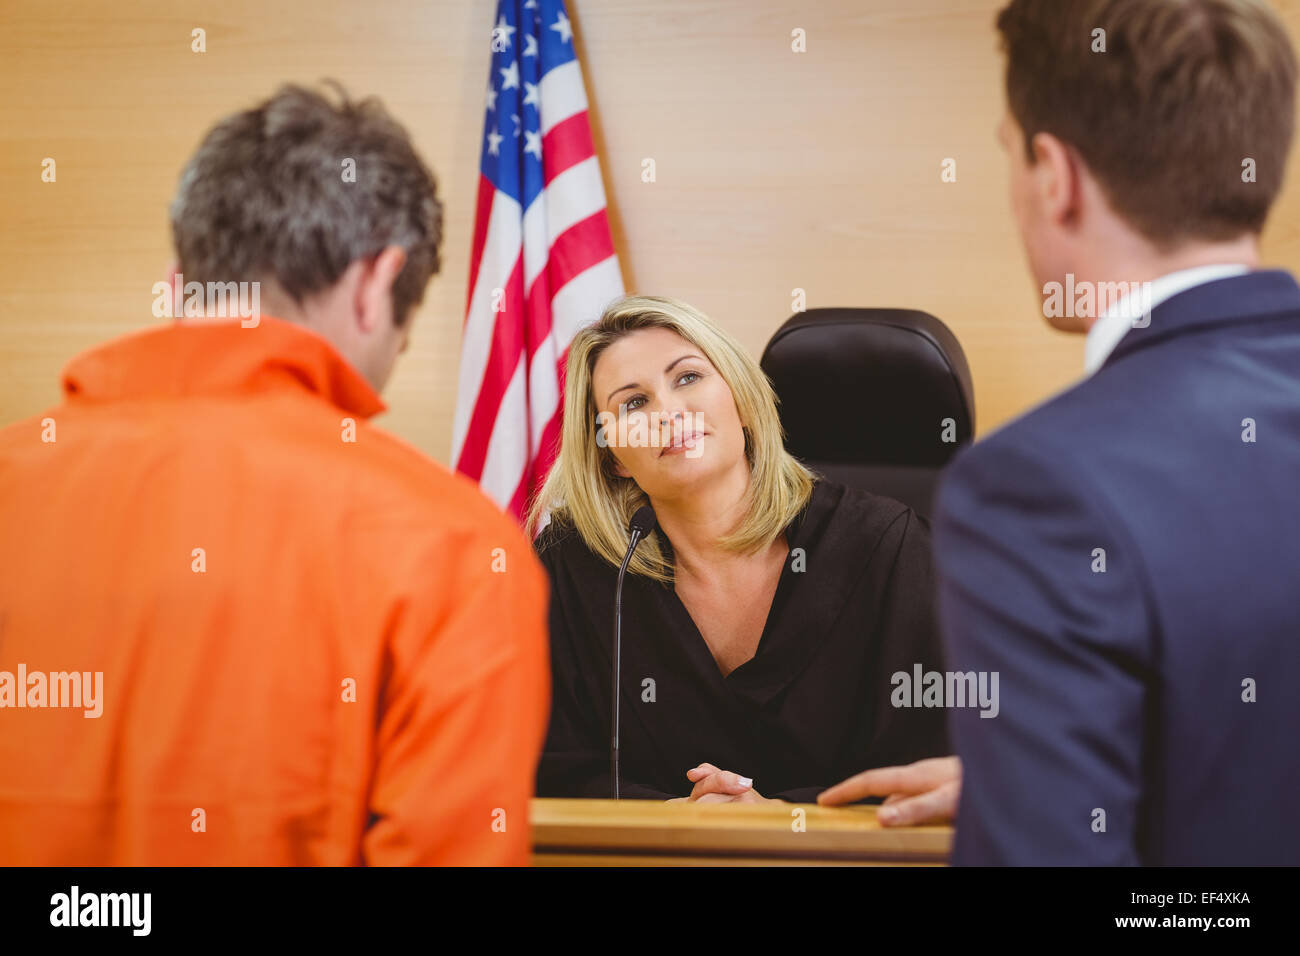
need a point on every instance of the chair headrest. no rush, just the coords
(870, 386)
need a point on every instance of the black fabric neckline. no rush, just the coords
(790, 532)
(698, 645)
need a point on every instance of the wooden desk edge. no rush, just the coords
(638, 829)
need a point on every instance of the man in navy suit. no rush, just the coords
(1126, 557)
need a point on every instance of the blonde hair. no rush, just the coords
(582, 489)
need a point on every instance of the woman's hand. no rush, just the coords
(927, 791)
(721, 786)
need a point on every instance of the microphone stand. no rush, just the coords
(642, 524)
(618, 656)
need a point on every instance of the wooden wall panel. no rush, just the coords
(775, 170)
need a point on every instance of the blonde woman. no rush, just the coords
(765, 618)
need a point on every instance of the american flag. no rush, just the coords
(543, 262)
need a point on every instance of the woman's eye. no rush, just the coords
(693, 376)
(631, 403)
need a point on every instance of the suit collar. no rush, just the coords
(1236, 299)
(1107, 331)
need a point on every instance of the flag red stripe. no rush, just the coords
(577, 249)
(482, 217)
(507, 344)
(567, 144)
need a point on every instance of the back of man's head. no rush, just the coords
(1182, 109)
(296, 192)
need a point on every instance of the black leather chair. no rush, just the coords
(866, 395)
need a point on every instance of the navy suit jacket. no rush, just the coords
(1149, 713)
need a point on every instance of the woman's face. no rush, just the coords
(665, 413)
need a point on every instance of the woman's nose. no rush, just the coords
(673, 422)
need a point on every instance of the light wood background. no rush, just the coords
(775, 170)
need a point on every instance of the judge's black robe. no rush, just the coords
(854, 605)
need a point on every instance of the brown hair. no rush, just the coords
(1184, 93)
(268, 196)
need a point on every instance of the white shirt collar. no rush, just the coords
(1108, 330)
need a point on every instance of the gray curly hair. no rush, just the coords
(267, 196)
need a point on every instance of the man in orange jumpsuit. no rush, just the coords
(238, 623)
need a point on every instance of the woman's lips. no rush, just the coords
(672, 449)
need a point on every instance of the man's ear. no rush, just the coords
(1056, 172)
(374, 293)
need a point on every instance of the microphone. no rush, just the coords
(643, 522)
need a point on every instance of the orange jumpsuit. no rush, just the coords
(314, 644)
